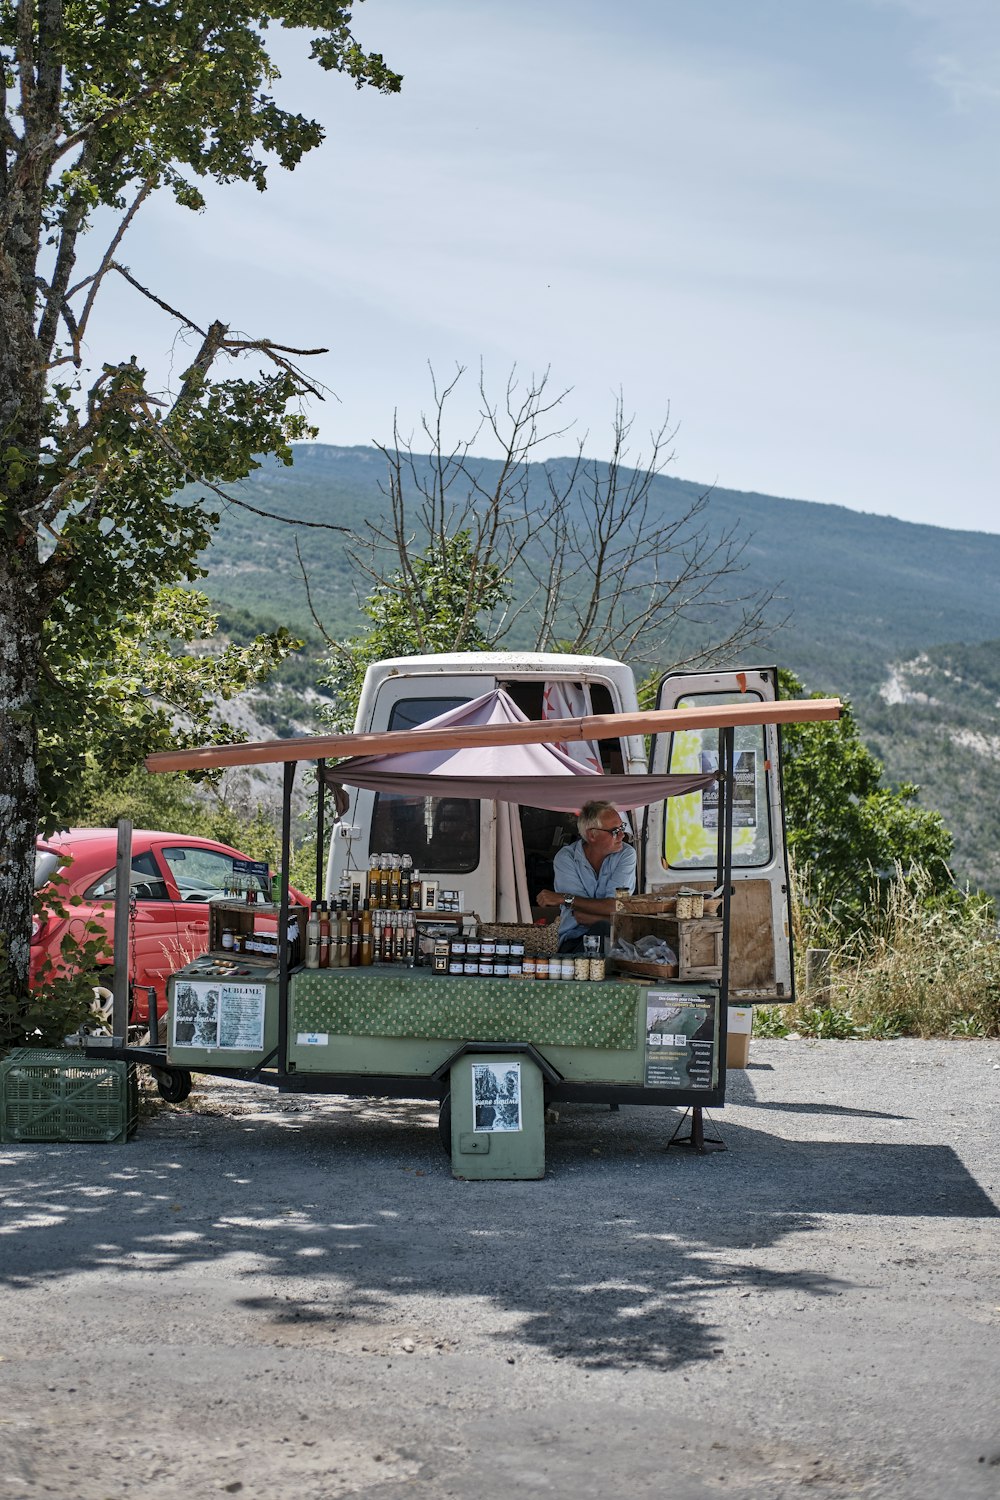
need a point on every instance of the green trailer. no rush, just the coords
(495, 1053)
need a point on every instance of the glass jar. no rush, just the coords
(541, 968)
(581, 968)
(596, 968)
(470, 967)
(227, 938)
(529, 967)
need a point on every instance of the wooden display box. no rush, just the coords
(243, 920)
(697, 943)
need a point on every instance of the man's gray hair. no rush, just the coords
(590, 816)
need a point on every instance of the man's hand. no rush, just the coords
(549, 898)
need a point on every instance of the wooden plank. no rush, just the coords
(533, 732)
(751, 937)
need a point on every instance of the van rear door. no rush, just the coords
(682, 836)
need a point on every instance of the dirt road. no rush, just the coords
(293, 1299)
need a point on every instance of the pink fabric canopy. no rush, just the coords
(531, 775)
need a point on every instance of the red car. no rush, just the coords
(174, 876)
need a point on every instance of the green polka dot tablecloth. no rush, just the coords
(413, 1003)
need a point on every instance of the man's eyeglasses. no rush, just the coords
(619, 831)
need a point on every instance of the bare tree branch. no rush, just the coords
(602, 561)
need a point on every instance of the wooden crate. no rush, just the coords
(697, 943)
(699, 949)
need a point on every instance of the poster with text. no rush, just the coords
(496, 1097)
(209, 1013)
(681, 1039)
(744, 790)
(241, 1017)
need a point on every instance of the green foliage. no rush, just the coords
(109, 489)
(424, 610)
(157, 687)
(63, 997)
(848, 833)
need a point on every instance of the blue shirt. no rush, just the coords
(574, 875)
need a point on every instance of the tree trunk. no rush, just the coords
(19, 664)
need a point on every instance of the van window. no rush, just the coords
(438, 833)
(691, 824)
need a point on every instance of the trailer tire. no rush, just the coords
(444, 1124)
(174, 1084)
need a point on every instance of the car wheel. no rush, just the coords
(174, 1084)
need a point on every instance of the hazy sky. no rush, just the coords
(778, 218)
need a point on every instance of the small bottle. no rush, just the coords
(383, 881)
(227, 939)
(410, 939)
(394, 874)
(354, 933)
(405, 881)
(416, 891)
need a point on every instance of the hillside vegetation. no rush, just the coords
(903, 619)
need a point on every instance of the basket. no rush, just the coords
(645, 971)
(539, 942)
(47, 1095)
(646, 906)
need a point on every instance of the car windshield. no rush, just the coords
(47, 863)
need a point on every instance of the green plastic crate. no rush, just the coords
(61, 1096)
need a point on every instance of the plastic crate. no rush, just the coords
(59, 1096)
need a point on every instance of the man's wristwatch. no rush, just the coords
(568, 901)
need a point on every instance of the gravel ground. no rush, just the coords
(293, 1298)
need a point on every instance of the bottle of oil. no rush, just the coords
(343, 937)
(366, 935)
(324, 935)
(405, 879)
(354, 932)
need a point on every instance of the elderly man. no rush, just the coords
(587, 873)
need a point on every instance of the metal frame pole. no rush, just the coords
(286, 859)
(123, 899)
(320, 829)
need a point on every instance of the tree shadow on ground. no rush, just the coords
(616, 1260)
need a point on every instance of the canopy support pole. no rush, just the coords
(283, 949)
(320, 828)
(697, 1140)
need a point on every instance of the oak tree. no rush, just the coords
(109, 488)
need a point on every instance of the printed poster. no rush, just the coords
(212, 1013)
(744, 790)
(681, 1039)
(496, 1097)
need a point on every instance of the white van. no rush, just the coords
(456, 842)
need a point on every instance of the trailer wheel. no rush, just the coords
(174, 1084)
(444, 1124)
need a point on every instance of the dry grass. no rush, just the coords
(922, 966)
